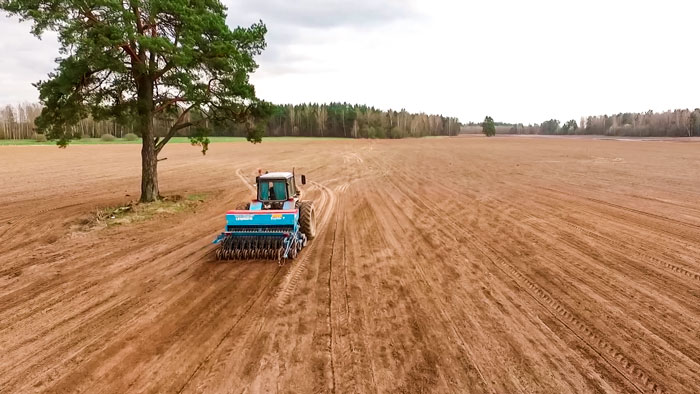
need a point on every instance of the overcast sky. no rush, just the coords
(518, 61)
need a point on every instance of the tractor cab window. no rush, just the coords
(273, 190)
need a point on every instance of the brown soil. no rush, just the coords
(441, 265)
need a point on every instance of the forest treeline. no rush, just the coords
(307, 120)
(356, 121)
(361, 121)
(677, 123)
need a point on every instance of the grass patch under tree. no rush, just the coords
(135, 212)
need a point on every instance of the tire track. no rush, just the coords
(639, 295)
(644, 213)
(229, 331)
(447, 318)
(638, 212)
(623, 362)
(639, 251)
(291, 279)
(556, 309)
(345, 344)
(545, 299)
(635, 251)
(245, 181)
(330, 306)
(21, 221)
(625, 249)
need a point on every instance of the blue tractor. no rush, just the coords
(276, 225)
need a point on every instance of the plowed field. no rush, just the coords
(497, 265)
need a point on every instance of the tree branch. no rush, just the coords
(168, 103)
(137, 13)
(131, 52)
(152, 54)
(176, 127)
(165, 69)
(101, 82)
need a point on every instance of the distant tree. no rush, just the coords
(608, 122)
(692, 122)
(550, 126)
(8, 121)
(695, 117)
(569, 127)
(627, 118)
(589, 124)
(488, 127)
(144, 61)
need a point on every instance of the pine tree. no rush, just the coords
(145, 60)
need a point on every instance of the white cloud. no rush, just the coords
(513, 60)
(319, 13)
(25, 59)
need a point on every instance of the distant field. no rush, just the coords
(175, 140)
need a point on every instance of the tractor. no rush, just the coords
(276, 225)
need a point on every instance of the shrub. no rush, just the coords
(131, 137)
(108, 137)
(40, 138)
(380, 132)
(376, 132)
(372, 133)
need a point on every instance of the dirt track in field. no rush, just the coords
(442, 265)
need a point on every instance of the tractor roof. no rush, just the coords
(276, 175)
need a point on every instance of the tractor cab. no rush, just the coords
(278, 190)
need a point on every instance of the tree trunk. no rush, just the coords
(149, 158)
(149, 170)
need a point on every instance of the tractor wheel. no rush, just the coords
(307, 219)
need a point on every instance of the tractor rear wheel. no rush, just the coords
(307, 219)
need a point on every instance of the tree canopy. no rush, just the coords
(138, 60)
(488, 127)
(569, 127)
(550, 126)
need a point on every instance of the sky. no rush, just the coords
(516, 61)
